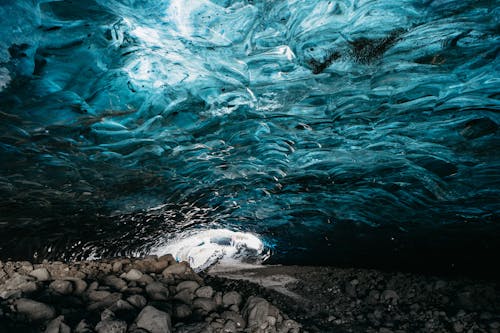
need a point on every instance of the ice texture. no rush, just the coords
(286, 118)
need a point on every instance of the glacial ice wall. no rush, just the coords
(122, 121)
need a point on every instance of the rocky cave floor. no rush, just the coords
(160, 295)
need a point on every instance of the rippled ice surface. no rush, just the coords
(330, 129)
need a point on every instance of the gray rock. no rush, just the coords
(137, 300)
(185, 296)
(17, 285)
(117, 266)
(41, 274)
(231, 298)
(390, 296)
(289, 326)
(154, 320)
(176, 268)
(189, 285)
(111, 326)
(132, 275)
(182, 311)
(122, 305)
(157, 291)
(57, 326)
(83, 327)
(257, 310)
(98, 295)
(33, 310)
(106, 302)
(61, 287)
(114, 282)
(79, 285)
(206, 305)
(206, 292)
(234, 317)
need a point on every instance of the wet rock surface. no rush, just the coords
(150, 295)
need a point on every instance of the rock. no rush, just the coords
(111, 326)
(61, 287)
(122, 306)
(182, 311)
(137, 301)
(184, 296)
(83, 327)
(231, 298)
(289, 326)
(79, 285)
(107, 315)
(257, 310)
(390, 296)
(106, 302)
(206, 292)
(98, 295)
(57, 326)
(17, 285)
(151, 265)
(41, 274)
(458, 327)
(132, 275)
(157, 291)
(206, 305)
(178, 268)
(33, 310)
(117, 267)
(189, 285)
(350, 289)
(230, 327)
(154, 320)
(234, 317)
(373, 297)
(114, 282)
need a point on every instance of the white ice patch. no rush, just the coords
(4, 78)
(204, 248)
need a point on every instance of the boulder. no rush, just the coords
(114, 282)
(17, 285)
(41, 274)
(111, 326)
(205, 291)
(132, 275)
(177, 268)
(189, 285)
(154, 320)
(137, 301)
(157, 291)
(257, 310)
(57, 326)
(231, 298)
(204, 305)
(62, 287)
(33, 310)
